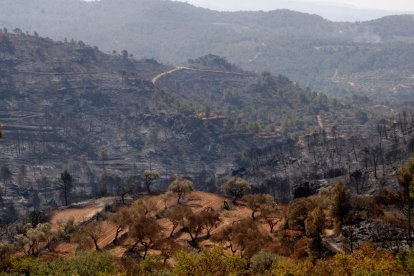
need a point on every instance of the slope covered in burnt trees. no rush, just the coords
(68, 105)
(107, 118)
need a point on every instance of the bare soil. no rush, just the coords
(196, 200)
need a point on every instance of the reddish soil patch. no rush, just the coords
(83, 211)
(196, 200)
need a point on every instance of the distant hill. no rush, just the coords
(273, 104)
(331, 11)
(370, 58)
(394, 27)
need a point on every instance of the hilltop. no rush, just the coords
(332, 11)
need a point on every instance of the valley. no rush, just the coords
(199, 142)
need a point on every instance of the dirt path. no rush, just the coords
(154, 80)
(330, 241)
(255, 57)
(81, 212)
(107, 236)
(333, 245)
(180, 68)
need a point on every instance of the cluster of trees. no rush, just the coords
(36, 235)
(308, 216)
(83, 263)
(298, 247)
(305, 215)
(140, 220)
(343, 211)
(364, 261)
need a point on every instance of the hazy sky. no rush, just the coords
(393, 5)
(402, 5)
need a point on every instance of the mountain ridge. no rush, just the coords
(306, 48)
(340, 12)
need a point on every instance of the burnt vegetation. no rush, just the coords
(186, 170)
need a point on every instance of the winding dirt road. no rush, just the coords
(180, 68)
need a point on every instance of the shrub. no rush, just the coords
(263, 262)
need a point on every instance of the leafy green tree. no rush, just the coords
(168, 249)
(407, 260)
(120, 219)
(211, 219)
(91, 263)
(271, 214)
(263, 261)
(152, 265)
(237, 188)
(144, 231)
(193, 224)
(180, 186)
(83, 263)
(176, 216)
(31, 266)
(66, 226)
(31, 241)
(256, 201)
(243, 236)
(144, 206)
(299, 210)
(6, 251)
(366, 260)
(89, 235)
(209, 262)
